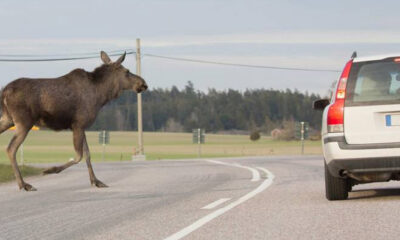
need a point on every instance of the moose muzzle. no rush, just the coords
(143, 87)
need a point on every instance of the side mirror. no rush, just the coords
(320, 104)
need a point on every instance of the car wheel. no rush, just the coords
(336, 188)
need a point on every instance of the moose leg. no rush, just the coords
(16, 141)
(78, 136)
(93, 180)
(5, 123)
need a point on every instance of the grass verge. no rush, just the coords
(7, 174)
(50, 147)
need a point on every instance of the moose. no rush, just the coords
(71, 102)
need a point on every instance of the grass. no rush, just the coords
(48, 146)
(6, 173)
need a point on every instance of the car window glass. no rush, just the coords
(377, 82)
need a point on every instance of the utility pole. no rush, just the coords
(139, 99)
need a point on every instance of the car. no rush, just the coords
(361, 125)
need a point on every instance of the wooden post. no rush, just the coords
(139, 99)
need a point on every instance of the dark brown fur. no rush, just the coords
(68, 102)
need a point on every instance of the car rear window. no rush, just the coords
(374, 83)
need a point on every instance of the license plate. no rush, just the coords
(393, 120)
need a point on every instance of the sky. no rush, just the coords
(285, 33)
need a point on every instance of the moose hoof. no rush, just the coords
(52, 170)
(27, 187)
(98, 184)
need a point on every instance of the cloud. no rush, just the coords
(282, 37)
(273, 37)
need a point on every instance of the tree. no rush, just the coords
(263, 109)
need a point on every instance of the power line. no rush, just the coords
(91, 55)
(242, 65)
(121, 51)
(36, 59)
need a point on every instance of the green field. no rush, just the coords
(48, 146)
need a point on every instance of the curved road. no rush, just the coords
(237, 198)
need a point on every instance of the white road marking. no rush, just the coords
(216, 203)
(254, 172)
(202, 221)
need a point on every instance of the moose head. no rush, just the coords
(122, 75)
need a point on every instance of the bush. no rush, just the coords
(276, 134)
(288, 132)
(255, 135)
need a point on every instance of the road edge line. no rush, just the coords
(255, 174)
(215, 203)
(204, 220)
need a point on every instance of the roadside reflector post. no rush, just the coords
(302, 138)
(198, 138)
(104, 138)
(301, 133)
(198, 143)
(104, 145)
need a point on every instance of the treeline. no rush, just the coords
(183, 110)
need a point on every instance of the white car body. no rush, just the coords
(370, 139)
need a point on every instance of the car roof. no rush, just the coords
(374, 58)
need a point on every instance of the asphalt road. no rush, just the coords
(243, 198)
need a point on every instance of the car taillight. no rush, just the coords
(336, 110)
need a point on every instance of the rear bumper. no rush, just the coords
(365, 165)
(360, 158)
(345, 146)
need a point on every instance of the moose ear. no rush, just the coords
(121, 59)
(105, 58)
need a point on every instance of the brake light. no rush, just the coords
(397, 59)
(336, 110)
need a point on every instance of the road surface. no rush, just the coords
(237, 198)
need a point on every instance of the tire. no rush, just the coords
(336, 188)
